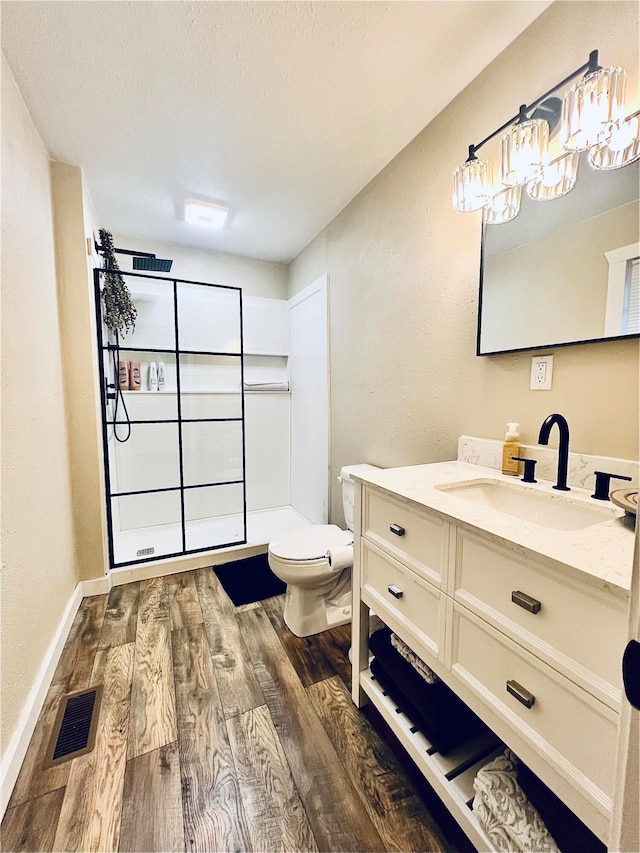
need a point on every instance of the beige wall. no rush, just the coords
(38, 559)
(74, 221)
(403, 272)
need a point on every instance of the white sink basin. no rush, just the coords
(554, 510)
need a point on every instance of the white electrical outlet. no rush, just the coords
(541, 372)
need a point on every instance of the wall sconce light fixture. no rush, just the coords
(592, 117)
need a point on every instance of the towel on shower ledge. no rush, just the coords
(266, 386)
(509, 819)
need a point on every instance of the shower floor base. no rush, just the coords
(263, 526)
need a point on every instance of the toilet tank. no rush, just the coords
(348, 488)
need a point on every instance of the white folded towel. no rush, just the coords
(411, 657)
(511, 822)
(266, 386)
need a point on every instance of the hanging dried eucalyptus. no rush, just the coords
(119, 311)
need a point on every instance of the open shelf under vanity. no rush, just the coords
(451, 775)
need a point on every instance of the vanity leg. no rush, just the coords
(359, 611)
(359, 650)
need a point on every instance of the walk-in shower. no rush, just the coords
(175, 456)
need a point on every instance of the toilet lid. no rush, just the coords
(310, 543)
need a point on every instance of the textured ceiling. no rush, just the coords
(281, 111)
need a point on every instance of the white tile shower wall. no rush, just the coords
(486, 451)
(268, 451)
(265, 325)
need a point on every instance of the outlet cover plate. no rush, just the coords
(541, 372)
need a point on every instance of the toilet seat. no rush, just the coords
(300, 559)
(310, 543)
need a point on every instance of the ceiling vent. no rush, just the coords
(203, 213)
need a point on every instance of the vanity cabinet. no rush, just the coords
(533, 648)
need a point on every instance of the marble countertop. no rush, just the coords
(603, 552)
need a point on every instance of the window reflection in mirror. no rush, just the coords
(564, 271)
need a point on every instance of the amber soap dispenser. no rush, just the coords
(511, 447)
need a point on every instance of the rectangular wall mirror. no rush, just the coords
(564, 271)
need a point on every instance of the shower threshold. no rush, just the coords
(156, 542)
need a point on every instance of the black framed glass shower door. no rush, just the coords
(173, 420)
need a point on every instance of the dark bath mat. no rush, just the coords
(249, 580)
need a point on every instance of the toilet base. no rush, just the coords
(306, 613)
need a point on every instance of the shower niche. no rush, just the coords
(174, 455)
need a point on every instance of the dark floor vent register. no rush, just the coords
(74, 731)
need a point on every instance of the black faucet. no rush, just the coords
(563, 447)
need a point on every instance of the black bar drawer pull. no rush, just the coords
(395, 591)
(521, 694)
(524, 600)
(395, 528)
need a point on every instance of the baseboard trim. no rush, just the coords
(145, 571)
(17, 748)
(96, 586)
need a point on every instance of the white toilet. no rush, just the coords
(315, 563)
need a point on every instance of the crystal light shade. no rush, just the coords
(556, 179)
(592, 107)
(472, 185)
(623, 146)
(523, 150)
(504, 206)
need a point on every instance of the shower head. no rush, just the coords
(141, 260)
(152, 264)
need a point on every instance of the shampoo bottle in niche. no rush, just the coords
(134, 375)
(511, 447)
(153, 376)
(123, 375)
(161, 376)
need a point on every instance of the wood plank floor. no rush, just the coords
(218, 731)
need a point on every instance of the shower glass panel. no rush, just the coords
(150, 459)
(155, 323)
(212, 452)
(147, 404)
(213, 513)
(174, 454)
(197, 311)
(211, 387)
(149, 526)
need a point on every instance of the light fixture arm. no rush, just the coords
(589, 67)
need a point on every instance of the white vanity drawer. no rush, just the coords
(578, 629)
(411, 534)
(403, 600)
(566, 726)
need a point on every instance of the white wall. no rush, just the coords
(256, 278)
(38, 553)
(310, 402)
